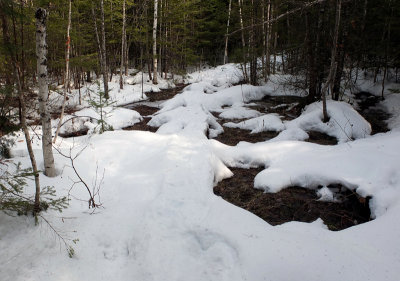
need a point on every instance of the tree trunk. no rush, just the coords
(121, 80)
(243, 42)
(67, 76)
(312, 76)
(227, 32)
(41, 54)
(267, 43)
(155, 42)
(104, 51)
(333, 67)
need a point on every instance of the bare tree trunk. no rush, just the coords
(41, 54)
(333, 67)
(96, 31)
(104, 51)
(36, 206)
(227, 32)
(67, 75)
(267, 42)
(121, 80)
(22, 112)
(243, 42)
(155, 42)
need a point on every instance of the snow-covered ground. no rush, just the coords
(160, 219)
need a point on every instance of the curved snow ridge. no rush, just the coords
(345, 124)
(191, 109)
(267, 122)
(88, 118)
(368, 166)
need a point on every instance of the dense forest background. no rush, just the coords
(314, 41)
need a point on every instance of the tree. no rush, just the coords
(155, 41)
(41, 53)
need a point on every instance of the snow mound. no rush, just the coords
(222, 76)
(190, 121)
(87, 119)
(268, 122)
(344, 123)
(237, 111)
(195, 101)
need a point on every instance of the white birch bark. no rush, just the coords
(41, 53)
(155, 42)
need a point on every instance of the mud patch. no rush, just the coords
(165, 94)
(142, 126)
(321, 138)
(373, 114)
(292, 204)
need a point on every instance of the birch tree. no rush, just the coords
(41, 55)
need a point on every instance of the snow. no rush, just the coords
(160, 219)
(392, 104)
(238, 111)
(344, 122)
(267, 122)
(88, 118)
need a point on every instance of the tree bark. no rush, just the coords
(243, 42)
(155, 42)
(123, 45)
(67, 75)
(227, 31)
(104, 51)
(41, 53)
(333, 67)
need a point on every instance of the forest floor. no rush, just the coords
(214, 180)
(293, 203)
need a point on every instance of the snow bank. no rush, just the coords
(268, 122)
(87, 119)
(344, 122)
(391, 104)
(161, 219)
(238, 111)
(195, 101)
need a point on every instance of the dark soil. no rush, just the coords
(289, 107)
(142, 126)
(79, 133)
(232, 136)
(144, 110)
(292, 204)
(375, 116)
(321, 138)
(148, 111)
(166, 94)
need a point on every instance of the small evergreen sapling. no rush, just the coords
(99, 102)
(13, 199)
